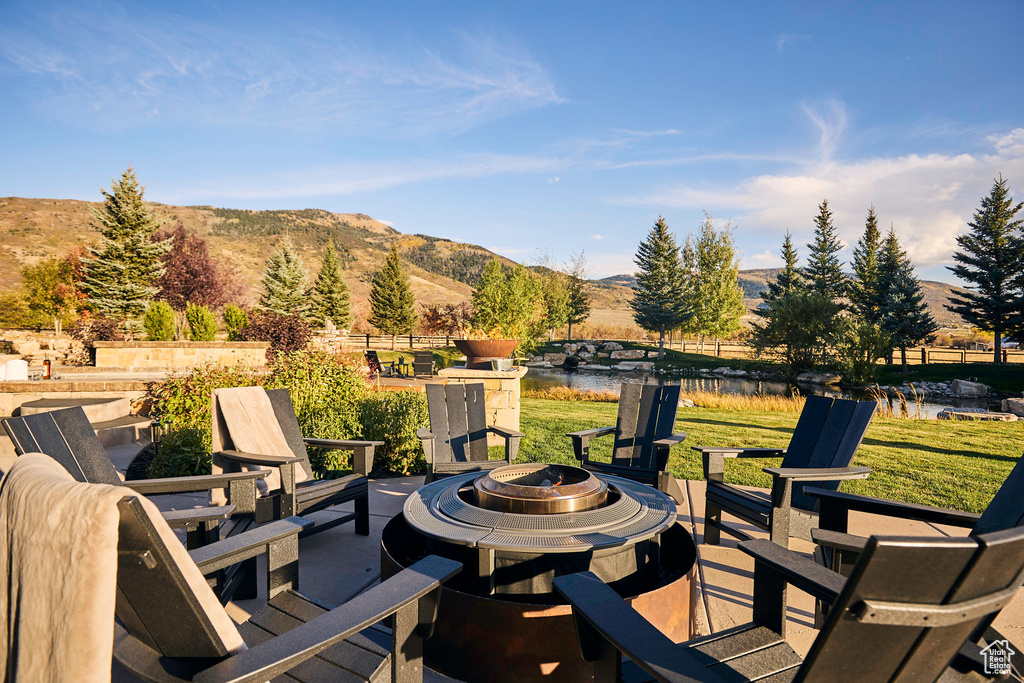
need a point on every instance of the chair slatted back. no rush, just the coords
(808, 429)
(458, 421)
(647, 412)
(423, 363)
(66, 436)
(373, 362)
(918, 573)
(1007, 507)
(838, 441)
(284, 410)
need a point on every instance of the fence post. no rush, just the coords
(924, 355)
(718, 348)
(963, 356)
(410, 340)
(367, 340)
(447, 340)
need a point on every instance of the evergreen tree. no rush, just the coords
(284, 283)
(658, 301)
(118, 276)
(330, 294)
(865, 295)
(991, 257)
(787, 280)
(579, 292)
(717, 303)
(903, 315)
(824, 270)
(392, 306)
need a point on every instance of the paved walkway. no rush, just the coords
(337, 564)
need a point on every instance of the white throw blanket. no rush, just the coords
(58, 545)
(244, 420)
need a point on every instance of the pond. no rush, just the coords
(544, 378)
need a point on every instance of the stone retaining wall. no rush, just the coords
(170, 355)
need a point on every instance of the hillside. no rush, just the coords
(440, 270)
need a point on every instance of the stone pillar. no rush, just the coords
(501, 394)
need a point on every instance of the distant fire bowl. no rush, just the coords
(480, 352)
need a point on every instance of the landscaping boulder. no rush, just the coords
(629, 354)
(979, 414)
(586, 355)
(1014, 405)
(686, 403)
(589, 348)
(570, 348)
(730, 372)
(611, 346)
(25, 347)
(819, 378)
(554, 358)
(965, 389)
(630, 365)
(602, 354)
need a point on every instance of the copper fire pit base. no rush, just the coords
(481, 638)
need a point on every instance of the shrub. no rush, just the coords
(184, 400)
(159, 322)
(393, 417)
(858, 348)
(182, 452)
(325, 389)
(234, 320)
(201, 323)
(286, 333)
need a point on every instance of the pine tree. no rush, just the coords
(865, 295)
(118, 276)
(786, 281)
(579, 293)
(717, 302)
(284, 283)
(392, 306)
(902, 313)
(659, 301)
(824, 270)
(991, 257)
(330, 294)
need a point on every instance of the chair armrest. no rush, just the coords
(602, 617)
(222, 554)
(741, 452)
(200, 482)
(799, 570)
(581, 441)
(426, 438)
(259, 458)
(362, 451)
(264, 661)
(505, 432)
(670, 441)
(177, 519)
(837, 540)
(818, 473)
(841, 503)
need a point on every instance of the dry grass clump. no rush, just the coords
(762, 402)
(899, 405)
(569, 394)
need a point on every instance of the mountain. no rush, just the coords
(439, 269)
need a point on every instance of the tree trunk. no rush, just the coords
(661, 344)
(393, 337)
(997, 347)
(903, 358)
(570, 330)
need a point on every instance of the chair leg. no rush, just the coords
(363, 512)
(712, 523)
(247, 589)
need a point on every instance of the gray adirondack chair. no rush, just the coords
(457, 439)
(824, 442)
(904, 615)
(423, 364)
(311, 495)
(379, 368)
(171, 628)
(67, 437)
(643, 435)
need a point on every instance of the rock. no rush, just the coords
(628, 353)
(26, 347)
(819, 378)
(570, 348)
(590, 348)
(1014, 405)
(979, 414)
(602, 354)
(611, 346)
(536, 359)
(554, 358)
(686, 403)
(629, 366)
(652, 354)
(730, 372)
(586, 355)
(965, 389)
(595, 367)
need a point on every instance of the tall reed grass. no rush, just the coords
(704, 399)
(898, 404)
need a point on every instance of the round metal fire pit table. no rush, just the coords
(536, 488)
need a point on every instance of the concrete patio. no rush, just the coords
(337, 564)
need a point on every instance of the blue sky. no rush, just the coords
(529, 127)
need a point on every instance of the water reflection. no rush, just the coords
(544, 378)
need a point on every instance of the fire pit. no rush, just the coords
(514, 530)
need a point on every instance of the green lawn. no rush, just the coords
(952, 464)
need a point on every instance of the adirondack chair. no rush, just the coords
(379, 368)
(310, 495)
(423, 364)
(904, 614)
(457, 439)
(643, 437)
(171, 628)
(824, 441)
(67, 437)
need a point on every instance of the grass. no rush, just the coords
(956, 465)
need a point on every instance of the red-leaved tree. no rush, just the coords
(190, 275)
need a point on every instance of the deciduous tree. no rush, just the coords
(509, 303)
(52, 290)
(991, 258)
(717, 303)
(190, 275)
(659, 301)
(579, 292)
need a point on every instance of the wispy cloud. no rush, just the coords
(115, 70)
(552, 181)
(788, 40)
(597, 237)
(830, 120)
